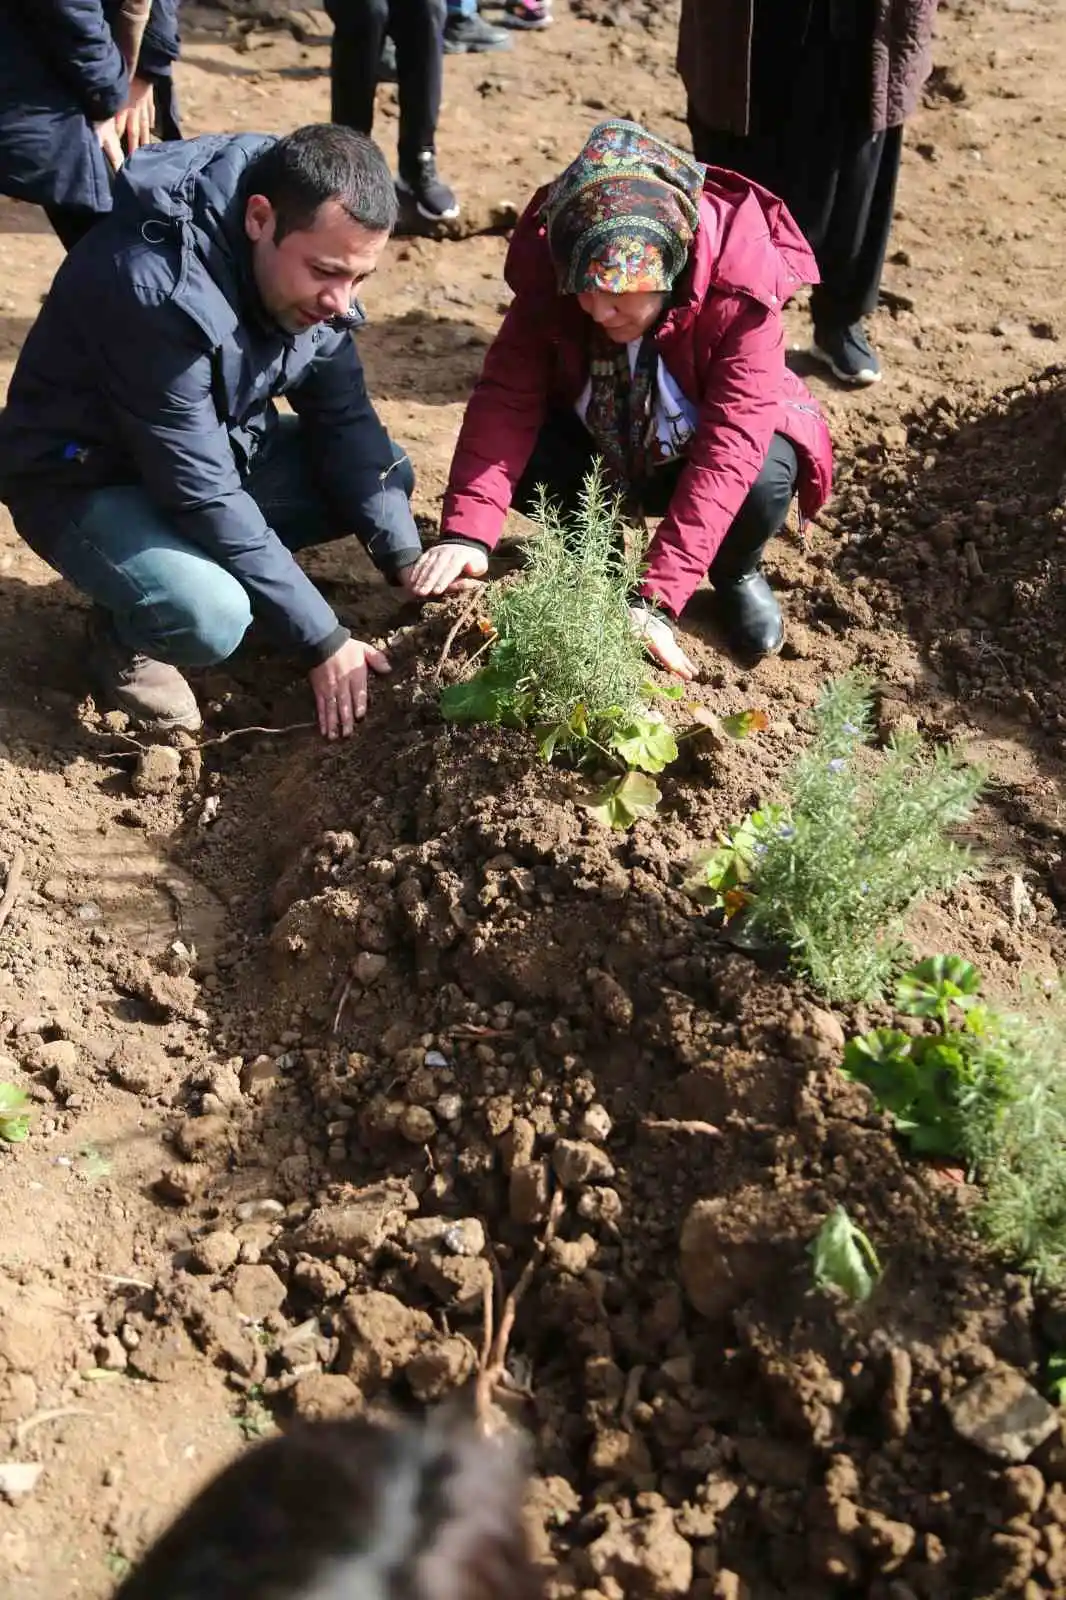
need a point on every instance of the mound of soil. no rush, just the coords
(959, 515)
(461, 996)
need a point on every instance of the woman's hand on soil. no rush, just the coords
(660, 643)
(340, 686)
(133, 123)
(110, 141)
(446, 569)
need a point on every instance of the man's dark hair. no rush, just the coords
(324, 161)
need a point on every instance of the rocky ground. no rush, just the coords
(314, 1036)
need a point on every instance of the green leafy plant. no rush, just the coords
(946, 1088)
(830, 873)
(14, 1119)
(1056, 1377)
(253, 1418)
(1020, 1156)
(565, 662)
(844, 1258)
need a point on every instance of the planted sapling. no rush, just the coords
(829, 873)
(566, 664)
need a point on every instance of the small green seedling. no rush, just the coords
(942, 1089)
(1056, 1378)
(724, 874)
(844, 1258)
(14, 1119)
(92, 1164)
(931, 988)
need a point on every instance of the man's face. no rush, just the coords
(313, 274)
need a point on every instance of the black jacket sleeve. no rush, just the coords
(157, 383)
(74, 38)
(356, 467)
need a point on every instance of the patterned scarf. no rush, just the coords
(622, 218)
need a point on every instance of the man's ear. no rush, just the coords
(258, 217)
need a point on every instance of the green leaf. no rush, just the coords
(1056, 1377)
(671, 691)
(14, 1122)
(934, 985)
(490, 695)
(844, 1258)
(645, 743)
(479, 699)
(741, 723)
(620, 802)
(547, 735)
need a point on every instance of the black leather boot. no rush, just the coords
(750, 615)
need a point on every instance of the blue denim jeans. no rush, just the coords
(167, 598)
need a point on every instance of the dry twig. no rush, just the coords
(341, 1003)
(218, 738)
(453, 632)
(11, 887)
(492, 1369)
(39, 1418)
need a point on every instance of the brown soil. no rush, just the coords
(293, 1062)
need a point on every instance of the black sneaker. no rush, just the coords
(471, 35)
(431, 196)
(848, 354)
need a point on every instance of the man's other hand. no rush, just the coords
(340, 686)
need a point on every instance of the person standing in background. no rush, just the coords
(82, 82)
(416, 28)
(809, 98)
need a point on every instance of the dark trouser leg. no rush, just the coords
(760, 517)
(754, 156)
(417, 30)
(71, 223)
(283, 485)
(854, 239)
(359, 28)
(167, 111)
(562, 457)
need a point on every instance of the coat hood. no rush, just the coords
(192, 192)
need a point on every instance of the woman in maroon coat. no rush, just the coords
(646, 329)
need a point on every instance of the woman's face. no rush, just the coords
(623, 317)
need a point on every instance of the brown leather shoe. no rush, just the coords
(154, 695)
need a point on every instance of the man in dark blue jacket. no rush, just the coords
(141, 453)
(77, 81)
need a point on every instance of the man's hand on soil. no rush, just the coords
(340, 686)
(445, 569)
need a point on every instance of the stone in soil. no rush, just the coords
(1002, 1414)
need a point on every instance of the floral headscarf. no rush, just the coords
(622, 218)
(623, 215)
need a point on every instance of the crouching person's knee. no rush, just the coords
(199, 627)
